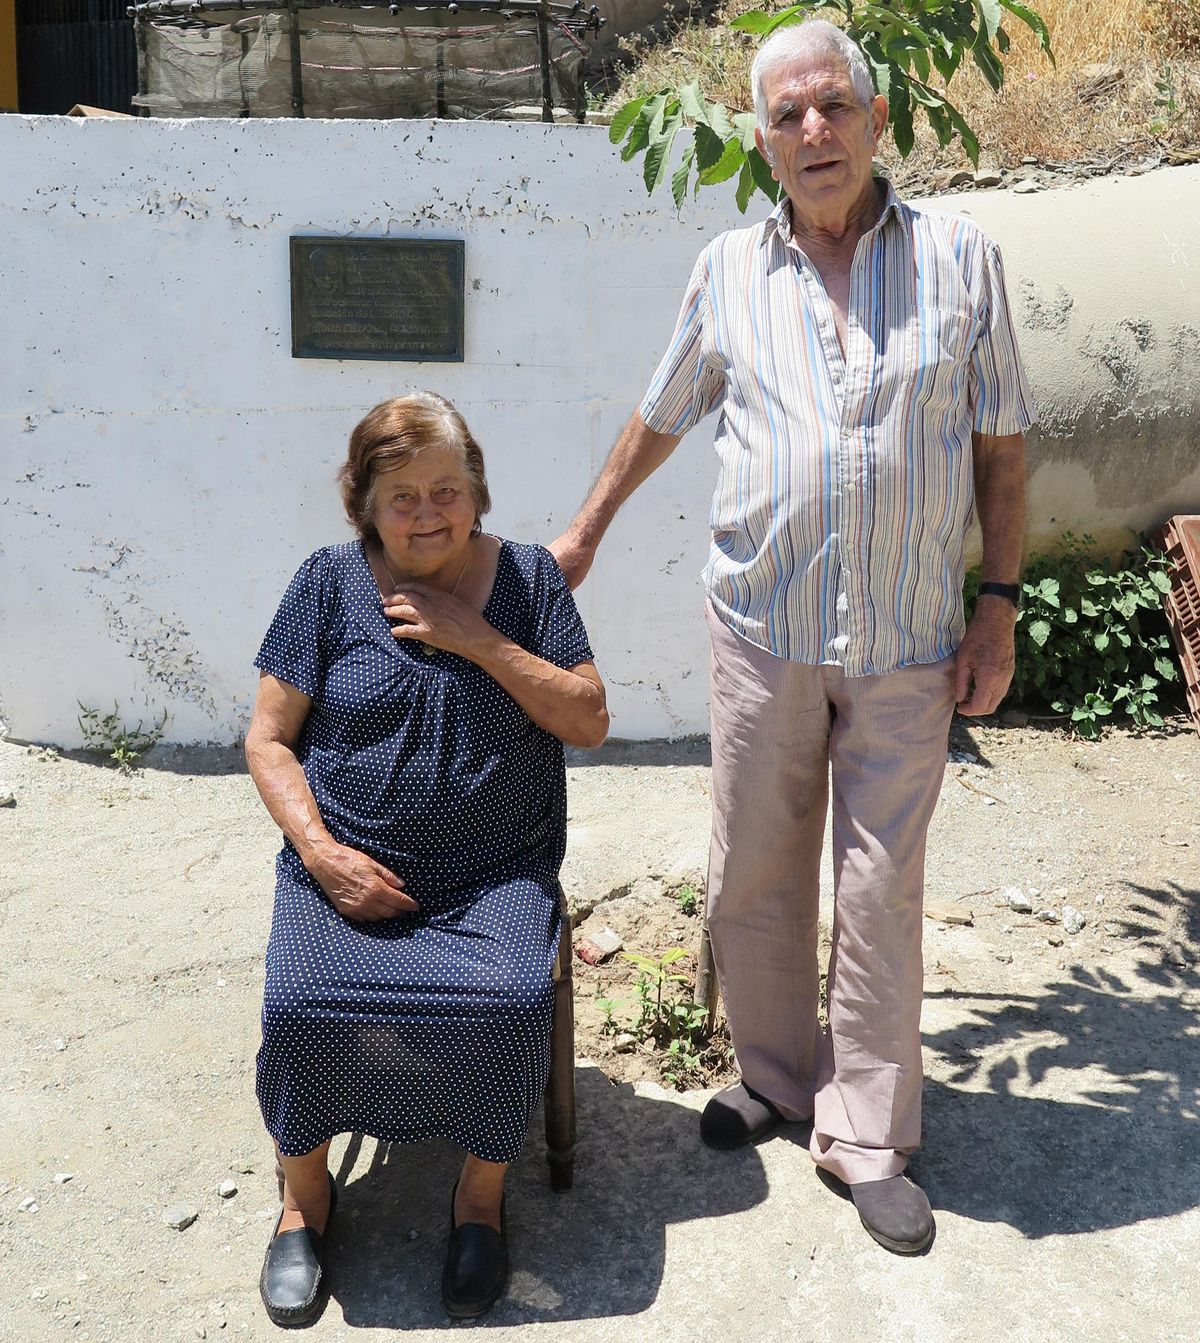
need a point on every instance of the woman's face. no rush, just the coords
(424, 512)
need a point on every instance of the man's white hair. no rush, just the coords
(803, 39)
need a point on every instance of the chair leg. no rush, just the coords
(560, 1088)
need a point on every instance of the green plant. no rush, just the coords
(1166, 105)
(1091, 638)
(687, 900)
(106, 733)
(914, 48)
(653, 978)
(609, 1026)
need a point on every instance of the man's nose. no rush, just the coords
(816, 128)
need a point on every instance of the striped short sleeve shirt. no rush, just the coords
(845, 489)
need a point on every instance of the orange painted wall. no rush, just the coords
(8, 55)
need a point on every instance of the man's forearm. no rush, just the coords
(636, 455)
(1000, 504)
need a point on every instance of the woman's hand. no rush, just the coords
(358, 887)
(437, 618)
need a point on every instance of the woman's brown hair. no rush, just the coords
(390, 435)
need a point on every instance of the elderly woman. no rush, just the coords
(416, 687)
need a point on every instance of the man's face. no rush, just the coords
(820, 139)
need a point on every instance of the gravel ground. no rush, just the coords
(135, 915)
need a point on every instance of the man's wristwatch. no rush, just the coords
(1010, 591)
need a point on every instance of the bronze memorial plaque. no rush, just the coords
(377, 298)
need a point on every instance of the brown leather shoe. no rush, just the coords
(896, 1213)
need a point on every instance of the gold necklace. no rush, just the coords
(428, 649)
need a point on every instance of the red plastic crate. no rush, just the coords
(1179, 540)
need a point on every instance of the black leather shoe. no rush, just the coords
(896, 1213)
(293, 1284)
(737, 1116)
(476, 1271)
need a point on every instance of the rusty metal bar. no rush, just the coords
(297, 72)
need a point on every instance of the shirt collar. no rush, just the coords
(778, 224)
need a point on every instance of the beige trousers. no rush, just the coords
(780, 732)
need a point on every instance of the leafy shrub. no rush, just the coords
(1092, 640)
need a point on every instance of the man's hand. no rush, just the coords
(358, 887)
(986, 658)
(573, 559)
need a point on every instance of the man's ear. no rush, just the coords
(761, 144)
(879, 114)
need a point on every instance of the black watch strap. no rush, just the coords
(1010, 591)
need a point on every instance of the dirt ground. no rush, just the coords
(135, 912)
(1111, 829)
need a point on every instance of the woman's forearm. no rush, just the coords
(281, 784)
(569, 706)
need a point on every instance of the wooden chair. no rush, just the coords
(560, 1087)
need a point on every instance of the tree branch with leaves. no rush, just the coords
(906, 43)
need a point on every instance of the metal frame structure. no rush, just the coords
(573, 16)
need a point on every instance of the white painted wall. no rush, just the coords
(165, 463)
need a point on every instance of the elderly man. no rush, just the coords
(864, 363)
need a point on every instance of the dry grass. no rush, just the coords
(1059, 112)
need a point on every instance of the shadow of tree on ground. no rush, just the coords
(1126, 1048)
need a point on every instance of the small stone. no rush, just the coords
(962, 758)
(947, 181)
(28, 1205)
(7, 800)
(227, 1188)
(1014, 718)
(1016, 899)
(64, 1176)
(599, 947)
(1026, 188)
(60, 1044)
(180, 1216)
(943, 914)
(220, 983)
(1004, 957)
(37, 1294)
(1029, 160)
(1046, 916)
(245, 1167)
(1100, 899)
(1054, 940)
(201, 1332)
(1113, 929)
(987, 177)
(412, 1234)
(1072, 920)
(624, 1043)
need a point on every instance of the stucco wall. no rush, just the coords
(166, 463)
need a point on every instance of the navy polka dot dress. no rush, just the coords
(434, 1024)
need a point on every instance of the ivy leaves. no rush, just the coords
(1091, 637)
(909, 44)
